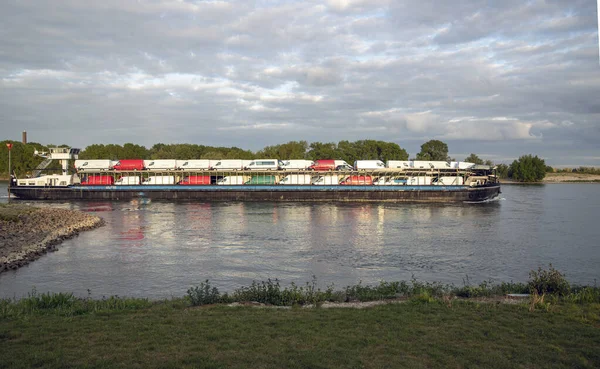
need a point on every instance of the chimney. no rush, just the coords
(24, 137)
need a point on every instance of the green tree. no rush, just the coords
(290, 150)
(528, 169)
(434, 150)
(473, 159)
(502, 170)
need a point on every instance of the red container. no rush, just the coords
(323, 165)
(196, 180)
(98, 181)
(129, 164)
(357, 180)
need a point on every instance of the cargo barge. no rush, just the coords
(446, 183)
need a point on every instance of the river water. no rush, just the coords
(159, 249)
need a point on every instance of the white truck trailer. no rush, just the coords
(159, 180)
(128, 180)
(230, 164)
(326, 180)
(191, 165)
(399, 164)
(231, 180)
(160, 165)
(296, 179)
(87, 166)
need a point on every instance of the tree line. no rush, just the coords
(527, 168)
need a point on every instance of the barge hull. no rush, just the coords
(263, 193)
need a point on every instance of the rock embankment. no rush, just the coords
(26, 233)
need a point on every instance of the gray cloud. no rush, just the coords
(497, 78)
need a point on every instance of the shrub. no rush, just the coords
(549, 281)
(204, 294)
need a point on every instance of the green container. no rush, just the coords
(262, 180)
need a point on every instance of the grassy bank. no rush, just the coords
(415, 334)
(422, 325)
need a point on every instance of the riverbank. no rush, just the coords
(560, 178)
(28, 232)
(416, 333)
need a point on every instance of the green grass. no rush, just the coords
(415, 334)
(12, 212)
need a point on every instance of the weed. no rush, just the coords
(203, 294)
(549, 281)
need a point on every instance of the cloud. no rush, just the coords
(488, 77)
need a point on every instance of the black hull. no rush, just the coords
(441, 194)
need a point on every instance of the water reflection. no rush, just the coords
(159, 249)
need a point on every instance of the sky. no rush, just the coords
(497, 78)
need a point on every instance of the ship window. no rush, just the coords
(63, 183)
(31, 183)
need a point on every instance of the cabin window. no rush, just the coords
(31, 183)
(63, 183)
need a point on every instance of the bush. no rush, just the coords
(204, 294)
(528, 169)
(549, 281)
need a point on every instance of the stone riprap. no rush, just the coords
(26, 232)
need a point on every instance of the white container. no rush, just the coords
(465, 165)
(399, 164)
(419, 164)
(160, 165)
(159, 180)
(128, 180)
(296, 179)
(231, 180)
(232, 164)
(368, 164)
(326, 180)
(421, 180)
(84, 166)
(441, 164)
(448, 181)
(296, 164)
(191, 165)
(263, 164)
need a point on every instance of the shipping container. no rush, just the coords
(84, 166)
(160, 165)
(325, 180)
(262, 180)
(191, 165)
(231, 164)
(196, 180)
(97, 180)
(368, 164)
(231, 180)
(296, 179)
(128, 180)
(357, 180)
(159, 180)
(448, 181)
(296, 164)
(129, 164)
(399, 164)
(263, 164)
